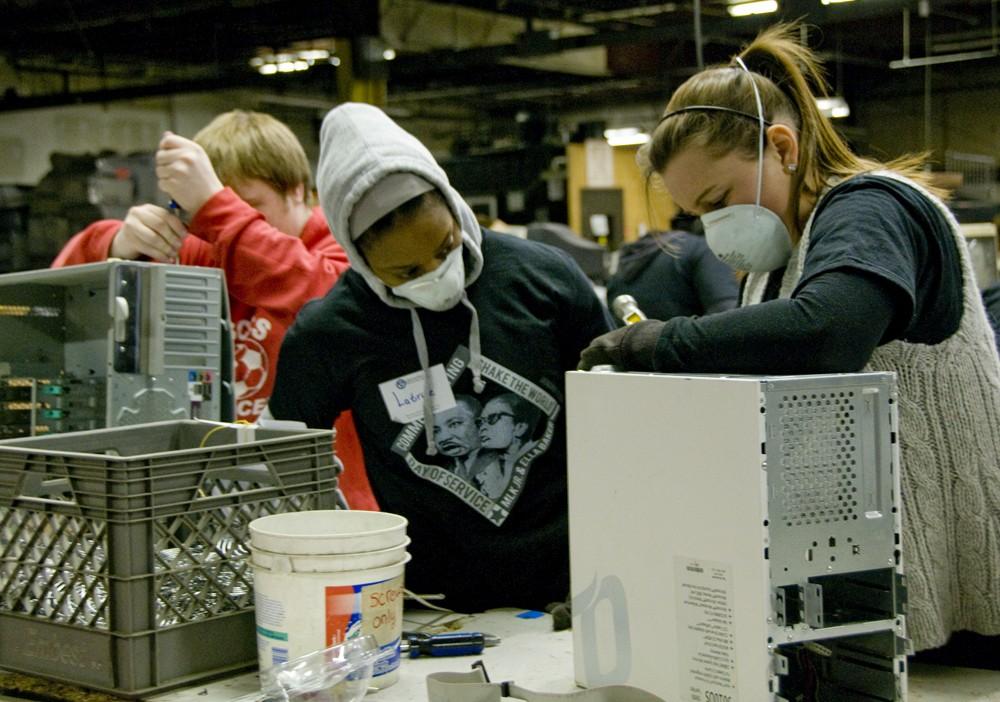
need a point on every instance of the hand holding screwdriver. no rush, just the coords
(150, 231)
(185, 172)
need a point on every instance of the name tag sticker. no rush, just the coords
(404, 396)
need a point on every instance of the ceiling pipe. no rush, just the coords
(924, 61)
(928, 123)
(906, 34)
(699, 42)
(629, 13)
(13, 103)
(944, 58)
(993, 25)
(717, 30)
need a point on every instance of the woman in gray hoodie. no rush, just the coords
(433, 307)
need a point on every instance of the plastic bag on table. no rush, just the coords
(340, 673)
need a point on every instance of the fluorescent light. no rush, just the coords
(833, 107)
(626, 136)
(755, 7)
(291, 60)
(620, 132)
(834, 2)
(629, 141)
(314, 54)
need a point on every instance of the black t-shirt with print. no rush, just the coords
(991, 298)
(891, 231)
(882, 264)
(492, 532)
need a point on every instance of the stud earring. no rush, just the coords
(790, 168)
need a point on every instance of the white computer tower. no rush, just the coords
(737, 538)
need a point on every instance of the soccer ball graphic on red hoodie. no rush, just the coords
(251, 367)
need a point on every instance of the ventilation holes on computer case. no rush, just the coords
(819, 458)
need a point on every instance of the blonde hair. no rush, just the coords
(244, 145)
(789, 77)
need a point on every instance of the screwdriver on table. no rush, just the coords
(458, 643)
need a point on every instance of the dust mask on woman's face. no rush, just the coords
(749, 237)
(439, 289)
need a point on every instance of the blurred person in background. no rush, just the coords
(674, 274)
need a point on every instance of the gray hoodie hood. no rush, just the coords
(359, 146)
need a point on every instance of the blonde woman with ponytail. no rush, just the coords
(851, 265)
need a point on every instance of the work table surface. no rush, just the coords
(538, 658)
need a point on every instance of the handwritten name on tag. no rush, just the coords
(404, 396)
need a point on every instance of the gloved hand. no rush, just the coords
(185, 172)
(630, 347)
(562, 613)
(149, 231)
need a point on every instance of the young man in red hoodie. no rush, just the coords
(242, 185)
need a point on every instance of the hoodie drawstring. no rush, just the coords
(475, 352)
(475, 365)
(428, 404)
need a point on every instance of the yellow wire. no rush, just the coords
(211, 431)
(208, 434)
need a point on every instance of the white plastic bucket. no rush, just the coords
(326, 531)
(317, 583)
(318, 563)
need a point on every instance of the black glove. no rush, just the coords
(629, 348)
(562, 614)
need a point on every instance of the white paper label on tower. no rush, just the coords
(706, 645)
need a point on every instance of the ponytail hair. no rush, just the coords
(789, 77)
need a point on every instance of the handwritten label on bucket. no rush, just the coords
(368, 608)
(288, 605)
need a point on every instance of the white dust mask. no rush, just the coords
(440, 289)
(749, 237)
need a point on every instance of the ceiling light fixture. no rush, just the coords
(754, 7)
(834, 2)
(313, 55)
(626, 136)
(297, 57)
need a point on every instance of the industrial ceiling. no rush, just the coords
(491, 55)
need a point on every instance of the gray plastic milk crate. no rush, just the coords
(124, 553)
